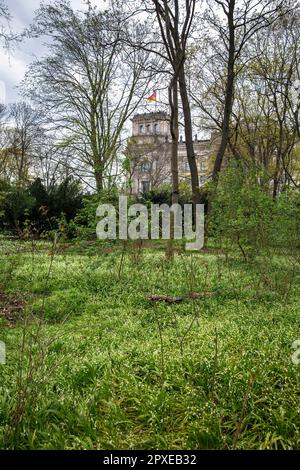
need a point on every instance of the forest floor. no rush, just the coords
(114, 347)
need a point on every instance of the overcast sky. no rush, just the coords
(13, 67)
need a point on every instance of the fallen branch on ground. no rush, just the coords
(173, 300)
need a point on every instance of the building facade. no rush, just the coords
(149, 153)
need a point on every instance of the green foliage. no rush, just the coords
(60, 305)
(287, 228)
(162, 194)
(245, 215)
(159, 195)
(85, 222)
(35, 209)
(65, 198)
(16, 205)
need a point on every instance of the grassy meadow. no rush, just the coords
(94, 362)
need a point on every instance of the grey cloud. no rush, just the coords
(12, 70)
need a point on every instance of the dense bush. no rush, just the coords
(37, 208)
(163, 194)
(85, 222)
(159, 195)
(15, 206)
(245, 214)
(287, 222)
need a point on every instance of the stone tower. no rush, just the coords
(149, 153)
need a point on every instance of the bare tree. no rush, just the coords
(90, 83)
(175, 23)
(22, 134)
(271, 110)
(7, 36)
(5, 164)
(233, 23)
(264, 114)
(5, 18)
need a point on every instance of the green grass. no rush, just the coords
(111, 369)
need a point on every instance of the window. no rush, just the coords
(186, 167)
(202, 179)
(148, 129)
(146, 167)
(156, 128)
(145, 186)
(202, 166)
(141, 128)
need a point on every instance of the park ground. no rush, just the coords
(114, 347)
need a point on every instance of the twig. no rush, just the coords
(239, 427)
(213, 390)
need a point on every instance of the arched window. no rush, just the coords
(156, 128)
(145, 186)
(141, 128)
(146, 167)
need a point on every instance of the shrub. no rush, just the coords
(16, 204)
(85, 222)
(287, 221)
(158, 195)
(243, 211)
(36, 209)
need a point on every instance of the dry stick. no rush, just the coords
(162, 354)
(178, 335)
(213, 391)
(233, 284)
(192, 287)
(240, 422)
(290, 284)
(206, 275)
(23, 394)
(16, 418)
(214, 395)
(195, 317)
(121, 261)
(53, 252)
(136, 252)
(22, 387)
(195, 311)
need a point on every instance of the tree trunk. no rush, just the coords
(189, 135)
(173, 101)
(228, 96)
(98, 172)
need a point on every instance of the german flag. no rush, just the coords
(152, 98)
